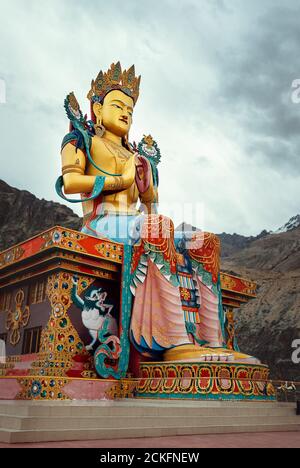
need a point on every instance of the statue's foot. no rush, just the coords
(245, 358)
(194, 353)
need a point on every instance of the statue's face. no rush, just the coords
(116, 113)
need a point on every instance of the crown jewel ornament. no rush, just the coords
(114, 79)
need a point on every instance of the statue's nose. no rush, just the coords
(125, 118)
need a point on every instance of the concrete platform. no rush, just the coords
(31, 422)
(244, 440)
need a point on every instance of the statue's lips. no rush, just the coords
(124, 121)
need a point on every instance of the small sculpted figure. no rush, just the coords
(95, 313)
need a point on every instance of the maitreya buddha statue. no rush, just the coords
(177, 308)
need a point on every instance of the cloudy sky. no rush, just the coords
(216, 94)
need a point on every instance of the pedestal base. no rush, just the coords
(204, 380)
(21, 379)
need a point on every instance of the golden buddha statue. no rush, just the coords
(177, 309)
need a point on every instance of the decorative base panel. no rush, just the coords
(63, 388)
(208, 381)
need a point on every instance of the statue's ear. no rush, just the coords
(97, 108)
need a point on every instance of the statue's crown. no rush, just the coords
(115, 78)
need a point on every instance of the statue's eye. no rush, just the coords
(116, 105)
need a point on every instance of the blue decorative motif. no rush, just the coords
(36, 388)
(191, 329)
(98, 187)
(221, 311)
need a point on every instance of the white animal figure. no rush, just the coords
(95, 312)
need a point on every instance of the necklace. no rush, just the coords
(114, 148)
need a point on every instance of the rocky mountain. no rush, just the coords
(266, 326)
(280, 252)
(22, 215)
(293, 223)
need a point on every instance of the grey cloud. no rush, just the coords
(257, 88)
(283, 154)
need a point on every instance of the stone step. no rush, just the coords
(147, 402)
(14, 436)
(93, 409)
(119, 422)
(141, 402)
(41, 421)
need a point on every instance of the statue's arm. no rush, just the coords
(76, 181)
(73, 171)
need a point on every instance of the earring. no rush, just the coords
(99, 128)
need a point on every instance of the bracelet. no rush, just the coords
(72, 168)
(117, 184)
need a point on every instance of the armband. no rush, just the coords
(98, 187)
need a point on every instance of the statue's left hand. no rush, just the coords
(143, 174)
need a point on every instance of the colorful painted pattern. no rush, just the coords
(36, 388)
(17, 318)
(237, 285)
(157, 238)
(53, 388)
(205, 381)
(65, 239)
(60, 336)
(189, 294)
(206, 251)
(62, 353)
